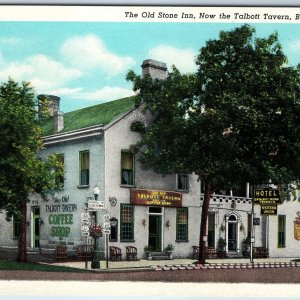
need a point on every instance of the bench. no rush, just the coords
(61, 253)
(211, 253)
(196, 252)
(131, 253)
(261, 252)
(84, 252)
(115, 253)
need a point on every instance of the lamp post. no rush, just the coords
(95, 255)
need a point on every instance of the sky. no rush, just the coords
(85, 63)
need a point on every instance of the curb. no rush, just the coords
(230, 266)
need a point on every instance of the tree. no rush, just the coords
(22, 170)
(235, 120)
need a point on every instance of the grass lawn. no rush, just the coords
(14, 265)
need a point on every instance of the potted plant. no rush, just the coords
(246, 246)
(96, 231)
(221, 244)
(169, 249)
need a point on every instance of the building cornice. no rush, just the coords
(83, 133)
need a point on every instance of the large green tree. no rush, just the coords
(236, 120)
(22, 171)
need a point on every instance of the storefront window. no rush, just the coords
(182, 225)
(182, 182)
(281, 231)
(127, 219)
(84, 157)
(127, 168)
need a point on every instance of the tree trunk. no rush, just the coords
(22, 247)
(203, 226)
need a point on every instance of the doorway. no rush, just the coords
(232, 233)
(155, 231)
(35, 227)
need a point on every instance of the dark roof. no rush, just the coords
(101, 114)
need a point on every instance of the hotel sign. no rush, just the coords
(155, 198)
(268, 200)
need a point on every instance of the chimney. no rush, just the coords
(58, 121)
(52, 104)
(154, 68)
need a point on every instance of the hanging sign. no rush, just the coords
(269, 209)
(266, 196)
(268, 199)
(297, 227)
(94, 205)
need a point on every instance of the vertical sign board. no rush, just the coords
(297, 227)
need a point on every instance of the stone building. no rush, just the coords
(145, 208)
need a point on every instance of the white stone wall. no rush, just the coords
(77, 197)
(120, 137)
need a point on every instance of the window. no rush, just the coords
(281, 231)
(16, 227)
(182, 182)
(211, 230)
(249, 226)
(84, 162)
(59, 178)
(182, 224)
(127, 168)
(127, 219)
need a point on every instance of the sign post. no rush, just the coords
(85, 227)
(106, 227)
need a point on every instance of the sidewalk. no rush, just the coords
(142, 265)
(180, 264)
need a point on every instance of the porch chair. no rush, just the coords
(131, 253)
(115, 253)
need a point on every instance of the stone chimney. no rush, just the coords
(58, 121)
(154, 68)
(52, 104)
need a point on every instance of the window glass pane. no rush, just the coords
(59, 179)
(182, 224)
(84, 168)
(127, 168)
(127, 222)
(182, 182)
(16, 228)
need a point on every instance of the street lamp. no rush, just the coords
(96, 192)
(95, 255)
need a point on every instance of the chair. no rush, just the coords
(196, 250)
(257, 252)
(84, 252)
(115, 253)
(61, 253)
(131, 253)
